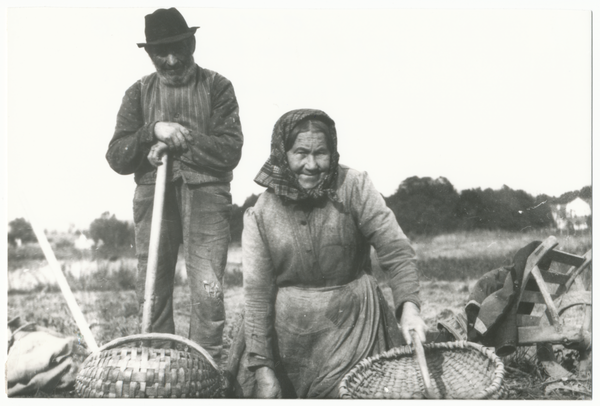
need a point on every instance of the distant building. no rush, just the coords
(83, 243)
(572, 216)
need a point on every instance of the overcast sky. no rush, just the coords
(488, 96)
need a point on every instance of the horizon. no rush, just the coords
(414, 92)
(67, 227)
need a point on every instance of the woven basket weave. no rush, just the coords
(136, 367)
(458, 370)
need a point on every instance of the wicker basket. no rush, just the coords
(137, 367)
(458, 370)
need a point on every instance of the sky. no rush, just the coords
(483, 93)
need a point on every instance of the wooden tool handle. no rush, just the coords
(155, 228)
(63, 284)
(422, 362)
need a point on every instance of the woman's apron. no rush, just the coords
(320, 334)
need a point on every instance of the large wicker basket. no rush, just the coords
(458, 370)
(137, 367)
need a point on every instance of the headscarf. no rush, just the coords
(276, 173)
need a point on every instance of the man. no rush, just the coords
(191, 113)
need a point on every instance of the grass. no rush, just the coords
(452, 257)
(449, 265)
(495, 244)
(115, 314)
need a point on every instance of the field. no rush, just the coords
(449, 266)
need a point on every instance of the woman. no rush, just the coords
(312, 311)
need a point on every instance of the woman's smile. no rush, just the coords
(309, 158)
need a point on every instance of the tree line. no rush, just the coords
(426, 206)
(422, 206)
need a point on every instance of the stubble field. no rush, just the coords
(449, 266)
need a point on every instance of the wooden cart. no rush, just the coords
(547, 301)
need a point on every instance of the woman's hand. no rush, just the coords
(267, 385)
(411, 320)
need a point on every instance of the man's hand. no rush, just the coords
(411, 320)
(174, 135)
(267, 385)
(156, 153)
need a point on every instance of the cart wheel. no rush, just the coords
(576, 309)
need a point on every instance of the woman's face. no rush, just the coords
(309, 158)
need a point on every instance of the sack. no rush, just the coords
(39, 359)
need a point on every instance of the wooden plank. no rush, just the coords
(555, 277)
(566, 258)
(535, 257)
(549, 334)
(527, 320)
(575, 273)
(530, 296)
(552, 310)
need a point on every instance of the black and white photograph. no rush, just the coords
(298, 200)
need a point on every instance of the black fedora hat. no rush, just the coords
(165, 26)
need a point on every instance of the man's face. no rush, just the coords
(174, 62)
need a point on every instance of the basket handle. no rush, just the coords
(145, 339)
(422, 362)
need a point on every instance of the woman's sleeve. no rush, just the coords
(396, 256)
(259, 293)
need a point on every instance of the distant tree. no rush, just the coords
(540, 216)
(425, 205)
(116, 235)
(237, 218)
(510, 206)
(20, 229)
(471, 210)
(505, 209)
(566, 197)
(586, 193)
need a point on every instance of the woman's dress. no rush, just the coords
(313, 310)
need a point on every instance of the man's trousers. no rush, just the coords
(196, 216)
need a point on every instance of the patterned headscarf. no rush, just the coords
(276, 173)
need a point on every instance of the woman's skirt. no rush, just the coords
(320, 334)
